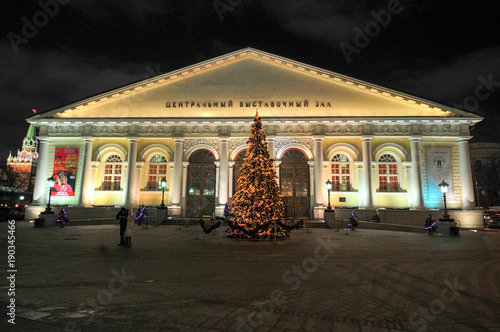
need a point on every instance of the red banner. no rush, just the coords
(64, 174)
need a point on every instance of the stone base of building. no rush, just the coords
(319, 212)
(219, 211)
(470, 219)
(174, 210)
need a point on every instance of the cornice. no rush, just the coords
(230, 129)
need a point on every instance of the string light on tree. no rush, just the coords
(258, 206)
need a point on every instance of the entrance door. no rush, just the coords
(200, 197)
(294, 178)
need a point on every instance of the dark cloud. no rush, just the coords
(451, 82)
(135, 10)
(50, 78)
(44, 80)
(329, 21)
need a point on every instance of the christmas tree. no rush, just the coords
(258, 205)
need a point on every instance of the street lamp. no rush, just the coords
(444, 189)
(329, 187)
(163, 185)
(51, 182)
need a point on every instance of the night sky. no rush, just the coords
(444, 51)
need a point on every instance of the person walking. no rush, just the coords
(122, 216)
(130, 228)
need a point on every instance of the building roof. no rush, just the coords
(236, 84)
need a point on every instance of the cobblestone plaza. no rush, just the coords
(76, 278)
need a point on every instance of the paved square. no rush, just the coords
(76, 278)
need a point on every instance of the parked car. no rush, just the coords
(491, 217)
(7, 213)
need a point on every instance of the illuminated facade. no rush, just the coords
(378, 147)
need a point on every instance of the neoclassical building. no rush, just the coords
(380, 148)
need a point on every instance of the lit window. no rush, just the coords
(388, 178)
(341, 169)
(157, 170)
(112, 178)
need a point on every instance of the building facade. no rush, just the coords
(380, 148)
(485, 162)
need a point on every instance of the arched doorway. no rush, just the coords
(200, 196)
(238, 164)
(294, 181)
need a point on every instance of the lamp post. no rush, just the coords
(444, 189)
(163, 185)
(329, 187)
(51, 182)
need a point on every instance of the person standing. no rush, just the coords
(130, 228)
(122, 216)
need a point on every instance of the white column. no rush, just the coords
(373, 188)
(466, 174)
(169, 183)
(39, 191)
(278, 165)
(318, 168)
(86, 188)
(361, 197)
(270, 145)
(409, 192)
(230, 178)
(367, 181)
(176, 188)
(93, 175)
(129, 188)
(137, 182)
(224, 171)
(416, 178)
(325, 175)
(311, 189)
(185, 165)
(217, 172)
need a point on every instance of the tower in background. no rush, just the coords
(23, 166)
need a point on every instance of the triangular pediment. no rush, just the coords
(237, 84)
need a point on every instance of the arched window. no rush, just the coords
(112, 178)
(341, 173)
(388, 178)
(478, 166)
(294, 156)
(157, 170)
(241, 155)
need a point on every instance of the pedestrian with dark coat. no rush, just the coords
(122, 216)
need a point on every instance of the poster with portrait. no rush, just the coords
(439, 169)
(64, 174)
